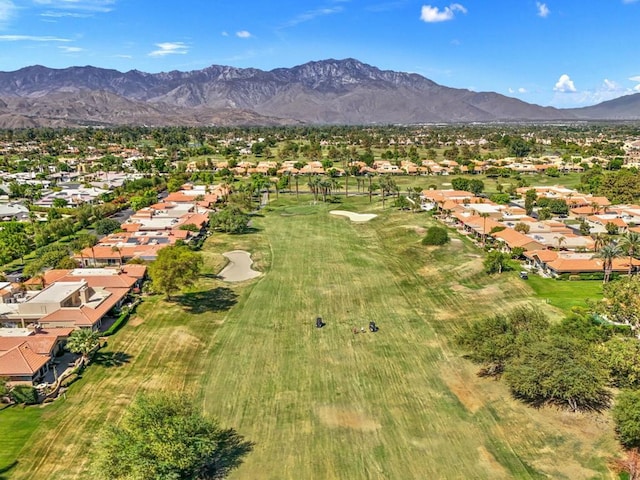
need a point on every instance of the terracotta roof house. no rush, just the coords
(22, 365)
(440, 196)
(66, 304)
(513, 239)
(556, 263)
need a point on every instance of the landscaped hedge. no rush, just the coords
(586, 276)
(122, 319)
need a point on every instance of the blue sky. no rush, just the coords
(562, 53)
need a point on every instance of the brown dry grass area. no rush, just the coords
(135, 321)
(336, 417)
(464, 389)
(490, 464)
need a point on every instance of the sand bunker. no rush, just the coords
(354, 217)
(239, 267)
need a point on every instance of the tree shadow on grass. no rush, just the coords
(218, 299)
(7, 469)
(111, 359)
(211, 275)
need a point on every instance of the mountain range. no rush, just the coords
(323, 92)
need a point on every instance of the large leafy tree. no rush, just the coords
(626, 414)
(620, 355)
(105, 226)
(492, 341)
(165, 437)
(230, 219)
(496, 262)
(559, 370)
(621, 302)
(175, 267)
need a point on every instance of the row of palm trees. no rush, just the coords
(628, 244)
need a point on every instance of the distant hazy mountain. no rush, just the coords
(622, 108)
(323, 92)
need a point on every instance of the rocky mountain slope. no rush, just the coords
(323, 92)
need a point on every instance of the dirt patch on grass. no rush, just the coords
(493, 291)
(464, 391)
(336, 417)
(419, 230)
(181, 337)
(135, 321)
(490, 464)
(122, 399)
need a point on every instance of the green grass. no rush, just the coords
(325, 403)
(565, 294)
(16, 425)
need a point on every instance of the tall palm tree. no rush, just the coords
(608, 253)
(484, 216)
(630, 243)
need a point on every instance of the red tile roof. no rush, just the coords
(21, 361)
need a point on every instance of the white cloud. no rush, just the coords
(225, 34)
(243, 34)
(564, 84)
(543, 10)
(50, 14)
(7, 11)
(431, 14)
(312, 14)
(98, 6)
(607, 90)
(123, 56)
(169, 48)
(522, 90)
(635, 78)
(31, 38)
(66, 49)
(629, 1)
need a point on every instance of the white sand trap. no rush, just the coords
(354, 217)
(239, 267)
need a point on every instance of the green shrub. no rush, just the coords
(69, 380)
(436, 236)
(24, 394)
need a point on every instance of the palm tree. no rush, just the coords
(559, 240)
(630, 243)
(608, 253)
(83, 341)
(117, 249)
(599, 241)
(197, 198)
(88, 241)
(484, 216)
(314, 186)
